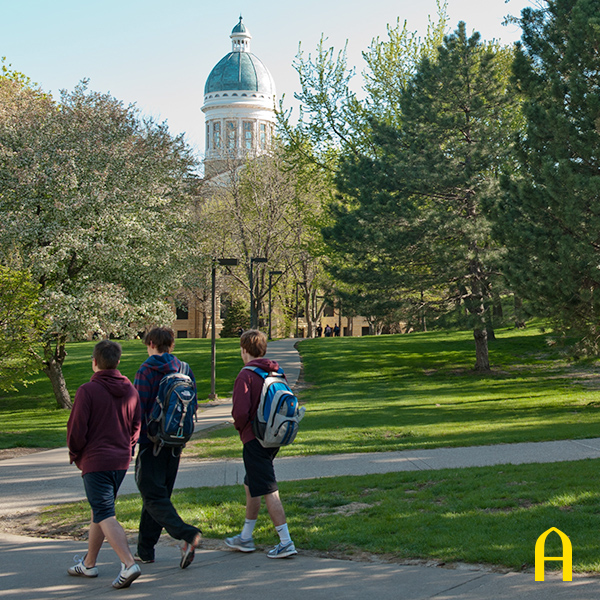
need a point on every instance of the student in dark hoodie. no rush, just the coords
(155, 475)
(102, 432)
(259, 481)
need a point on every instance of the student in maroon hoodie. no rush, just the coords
(102, 432)
(259, 481)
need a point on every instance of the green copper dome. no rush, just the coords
(240, 71)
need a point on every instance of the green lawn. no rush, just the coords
(375, 394)
(479, 515)
(30, 418)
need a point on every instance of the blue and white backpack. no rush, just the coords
(278, 414)
(171, 420)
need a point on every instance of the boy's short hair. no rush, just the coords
(107, 354)
(163, 339)
(254, 342)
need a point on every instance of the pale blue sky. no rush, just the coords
(159, 54)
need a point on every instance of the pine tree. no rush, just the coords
(550, 216)
(415, 219)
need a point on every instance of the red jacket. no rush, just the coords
(246, 396)
(104, 424)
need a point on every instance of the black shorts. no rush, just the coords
(260, 474)
(101, 489)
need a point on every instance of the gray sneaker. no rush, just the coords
(80, 570)
(282, 550)
(237, 543)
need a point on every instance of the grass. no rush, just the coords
(418, 391)
(489, 515)
(30, 417)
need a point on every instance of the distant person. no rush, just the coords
(336, 330)
(319, 330)
(259, 481)
(102, 432)
(155, 474)
(327, 331)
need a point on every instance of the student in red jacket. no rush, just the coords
(102, 432)
(260, 479)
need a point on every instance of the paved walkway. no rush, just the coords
(29, 482)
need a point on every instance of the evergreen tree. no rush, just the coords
(550, 215)
(415, 219)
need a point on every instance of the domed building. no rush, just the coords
(239, 105)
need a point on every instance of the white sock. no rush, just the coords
(284, 534)
(248, 529)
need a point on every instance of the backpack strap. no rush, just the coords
(184, 368)
(264, 373)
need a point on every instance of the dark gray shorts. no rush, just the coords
(260, 474)
(101, 489)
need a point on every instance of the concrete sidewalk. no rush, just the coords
(35, 569)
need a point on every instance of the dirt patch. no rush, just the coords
(16, 452)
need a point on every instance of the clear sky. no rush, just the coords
(158, 54)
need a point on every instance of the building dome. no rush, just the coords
(240, 71)
(239, 105)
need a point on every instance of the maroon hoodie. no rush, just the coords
(246, 396)
(104, 425)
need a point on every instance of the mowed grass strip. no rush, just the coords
(30, 417)
(490, 516)
(385, 393)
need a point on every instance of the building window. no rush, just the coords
(248, 141)
(263, 136)
(182, 334)
(225, 305)
(207, 136)
(216, 135)
(230, 132)
(328, 311)
(182, 312)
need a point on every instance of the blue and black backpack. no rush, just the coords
(171, 420)
(278, 414)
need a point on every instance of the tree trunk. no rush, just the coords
(482, 361)
(54, 371)
(53, 368)
(519, 318)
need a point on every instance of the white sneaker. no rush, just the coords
(80, 570)
(127, 576)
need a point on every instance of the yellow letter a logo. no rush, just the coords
(567, 557)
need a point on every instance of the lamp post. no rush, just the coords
(213, 336)
(271, 273)
(252, 261)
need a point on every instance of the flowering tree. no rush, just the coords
(93, 203)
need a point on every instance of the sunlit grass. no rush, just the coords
(491, 515)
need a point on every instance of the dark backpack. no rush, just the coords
(171, 420)
(278, 415)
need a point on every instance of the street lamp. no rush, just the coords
(252, 261)
(213, 338)
(271, 273)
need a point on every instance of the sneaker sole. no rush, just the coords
(187, 558)
(79, 574)
(239, 548)
(283, 554)
(127, 582)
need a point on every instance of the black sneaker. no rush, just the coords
(145, 561)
